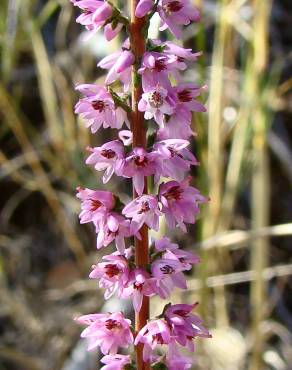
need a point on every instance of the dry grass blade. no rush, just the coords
(260, 184)
(12, 168)
(267, 274)
(47, 89)
(238, 238)
(215, 149)
(8, 41)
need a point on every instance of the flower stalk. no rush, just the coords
(138, 46)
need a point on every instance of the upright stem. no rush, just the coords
(139, 140)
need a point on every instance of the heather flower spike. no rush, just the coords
(147, 73)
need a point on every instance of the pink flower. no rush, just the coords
(154, 333)
(143, 210)
(111, 30)
(140, 284)
(95, 204)
(184, 325)
(186, 258)
(164, 244)
(126, 137)
(156, 103)
(139, 164)
(107, 331)
(175, 158)
(167, 274)
(158, 66)
(143, 7)
(114, 228)
(95, 14)
(176, 361)
(155, 69)
(115, 362)
(175, 14)
(119, 66)
(172, 251)
(98, 108)
(187, 94)
(181, 54)
(108, 157)
(180, 203)
(178, 125)
(113, 273)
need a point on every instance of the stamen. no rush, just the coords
(112, 324)
(108, 153)
(112, 270)
(98, 105)
(185, 96)
(144, 208)
(95, 204)
(167, 270)
(172, 7)
(156, 99)
(174, 192)
(140, 161)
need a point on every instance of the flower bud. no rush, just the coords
(143, 7)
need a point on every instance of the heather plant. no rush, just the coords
(146, 103)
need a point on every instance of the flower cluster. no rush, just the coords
(167, 105)
(117, 272)
(177, 325)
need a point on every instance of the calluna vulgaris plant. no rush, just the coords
(157, 110)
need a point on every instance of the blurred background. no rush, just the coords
(244, 146)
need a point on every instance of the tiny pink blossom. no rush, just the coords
(143, 209)
(185, 325)
(182, 54)
(178, 126)
(98, 108)
(156, 103)
(114, 228)
(186, 258)
(180, 203)
(158, 66)
(175, 14)
(140, 284)
(155, 69)
(186, 96)
(102, 13)
(106, 331)
(119, 66)
(172, 251)
(175, 158)
(126, 136)
(111, 32)
(115, 362)
(139, 164)
(113, 274)
(108, 157)
(143, 7)
(95, 204)
(154, 333)
(95, 14)
(176, 361)
(164, 244)
(167, 274)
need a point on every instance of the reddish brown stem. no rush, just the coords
(139, 140)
